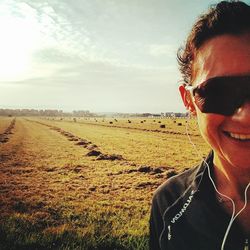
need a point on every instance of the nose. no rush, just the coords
(242, 114)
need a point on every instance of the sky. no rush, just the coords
(96, 55)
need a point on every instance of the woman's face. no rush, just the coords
(225, 55)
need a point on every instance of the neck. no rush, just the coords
(230, 180)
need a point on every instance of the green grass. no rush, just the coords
(53, 196)
(90, 230)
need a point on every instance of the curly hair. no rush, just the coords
(226, 17)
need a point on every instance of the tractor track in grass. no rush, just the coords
(140, 129)
(5, 136)
(94, 151)
(78, 141)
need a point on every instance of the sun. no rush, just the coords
(17, 43)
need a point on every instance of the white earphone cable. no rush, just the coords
(233, 216)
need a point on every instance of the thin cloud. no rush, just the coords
(105, 55)
(162, 50)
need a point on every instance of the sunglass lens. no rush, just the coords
(219, 95)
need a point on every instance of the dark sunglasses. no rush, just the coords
(221, 95)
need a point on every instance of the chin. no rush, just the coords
(238, 161)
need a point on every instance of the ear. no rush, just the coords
(187, 100)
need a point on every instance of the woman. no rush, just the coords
(207, 206)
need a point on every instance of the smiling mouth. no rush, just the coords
(240, 137)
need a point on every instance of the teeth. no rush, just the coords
(240, 136)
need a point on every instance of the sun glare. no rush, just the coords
(18, 41)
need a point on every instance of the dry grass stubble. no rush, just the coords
(53, 196)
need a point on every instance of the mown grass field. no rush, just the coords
(86, 183)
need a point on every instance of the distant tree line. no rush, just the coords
(44, 112)
(80, 113)
(151, 115)
(175, 114)
(166, 114)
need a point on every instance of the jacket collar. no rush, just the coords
(200, 177)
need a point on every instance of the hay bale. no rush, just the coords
(162, 126)
(73, 139)
(92, 188)
(82, 142)
(171, 173)
(144, 169)
(77, 169)
(93, 153)
(131, 171)
(67, 134)
(4, 139)
(91, 147)
(111, 157)
(158, 170)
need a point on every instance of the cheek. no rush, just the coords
(210, 127)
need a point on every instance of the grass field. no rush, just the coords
(86, 183)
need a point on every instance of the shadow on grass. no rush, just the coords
(20, 235)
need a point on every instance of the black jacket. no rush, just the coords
(186, 215)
